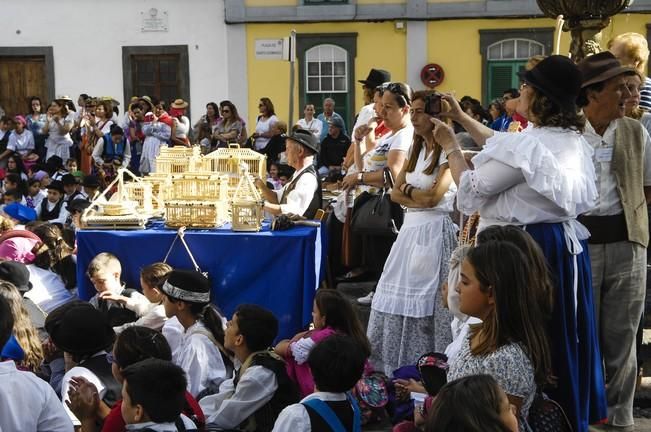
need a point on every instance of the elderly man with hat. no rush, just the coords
(333, 148)
(618, 225)
(302, 194)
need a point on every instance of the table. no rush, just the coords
(279, 270)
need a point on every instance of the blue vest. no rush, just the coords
(111, 151)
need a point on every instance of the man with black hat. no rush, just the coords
(53, 209)
(618, 225)
(333, 148)
(302, 194)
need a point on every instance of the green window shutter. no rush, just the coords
(502, 75)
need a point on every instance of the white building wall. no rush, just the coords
(87, 37)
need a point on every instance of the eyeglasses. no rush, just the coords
(260, 105)
(400, 90)
(226, 111)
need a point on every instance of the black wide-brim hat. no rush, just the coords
(16, 273)
(187, 285)
(305, 138)
(79, 328)
(376, 77)
(56, 185)
(601, 67)
(558, 78)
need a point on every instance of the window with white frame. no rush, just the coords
(326, 70)
(515, 49)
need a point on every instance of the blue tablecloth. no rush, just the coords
(279, 270)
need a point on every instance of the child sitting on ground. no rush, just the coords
(260, 389)
(104, 271)
(132, 346)
(148, 306)
(331, 313)
(153, 396)
(201, 353)
(336, 364)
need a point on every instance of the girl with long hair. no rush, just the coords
(331, 314)
(229, 127)
(510, 343)
(36, 121)
(24, 330)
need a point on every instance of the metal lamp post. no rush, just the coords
(584, 19)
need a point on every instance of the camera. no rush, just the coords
(433, 104)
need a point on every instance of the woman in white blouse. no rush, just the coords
(390, 152)
(542, 179)
(407, 314)
(266, 119)
(309, 122)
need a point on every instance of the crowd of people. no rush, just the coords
(507, 250)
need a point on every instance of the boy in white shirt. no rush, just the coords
(104, 272)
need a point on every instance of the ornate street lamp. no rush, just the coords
(584, 19)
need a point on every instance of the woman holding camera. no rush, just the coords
(407, 315)
(541, 179)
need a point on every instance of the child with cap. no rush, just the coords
(260, 388)
(201, 354)
(55, 168)
(53, 209)
(21, 391)
(91, 185)
(83, 334)
(70, 189)
(43, 177)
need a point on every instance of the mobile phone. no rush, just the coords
(433, 105)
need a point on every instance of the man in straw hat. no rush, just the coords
(302, 194)
(618, 225)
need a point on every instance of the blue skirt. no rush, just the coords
(573, 337)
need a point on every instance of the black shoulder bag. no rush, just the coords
(377, 215)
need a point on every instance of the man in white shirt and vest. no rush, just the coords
(302, 194)
(618, 225)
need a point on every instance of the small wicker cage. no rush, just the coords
(141, 193)
(200, 186)
(193, 214)
(247, 204)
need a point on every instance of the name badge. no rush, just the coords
(604, 154)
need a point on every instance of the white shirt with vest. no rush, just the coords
(608, 202)
(299, 199)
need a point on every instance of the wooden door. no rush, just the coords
(21, 78)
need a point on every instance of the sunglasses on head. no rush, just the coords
(400, 90)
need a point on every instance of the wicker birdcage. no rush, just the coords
(120, 212)
(227, 161)
(178, 160)
(141, 192)
(246, 204)
(195, 214)
(200, 187)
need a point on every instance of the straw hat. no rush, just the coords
(179, 104)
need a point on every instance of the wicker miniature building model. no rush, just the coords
(227, 161)
(178, 160)
(118, 212)
(200, 186)
(246, 204)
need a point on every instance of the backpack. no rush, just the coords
(372, 395)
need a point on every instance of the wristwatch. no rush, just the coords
(360, 178)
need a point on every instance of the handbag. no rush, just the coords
(545, 415)
(377, 215)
